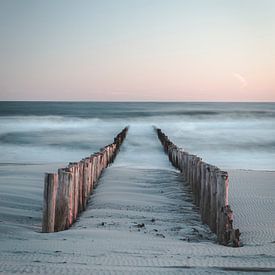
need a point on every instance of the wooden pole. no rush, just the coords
(50, 190)
(74, 169)
(81, 186)
(64, 200)
(86, 181)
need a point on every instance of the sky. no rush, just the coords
(137, 50)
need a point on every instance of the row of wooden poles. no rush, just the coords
(209, 186)
(66, 192)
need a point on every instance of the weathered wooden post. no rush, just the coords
(93, 172)
(81, 165)
(213, 191)
(205, 210)
(74, 169)
(50, 190)
(180, 160)
(199, 180)
(190, 170)
(98, 166)
(64, 200)
(86, 181)
(91, 180)
(202, 184)
(185, 163)
(221, 202)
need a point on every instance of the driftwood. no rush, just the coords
(67, 192)
(209, 186)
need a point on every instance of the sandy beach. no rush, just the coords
(140, 219)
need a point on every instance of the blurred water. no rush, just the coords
(229, 135)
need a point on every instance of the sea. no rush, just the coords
(228, 135)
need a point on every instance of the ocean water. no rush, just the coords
(229, 135)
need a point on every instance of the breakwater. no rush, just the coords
(66, 192)
(209, 186)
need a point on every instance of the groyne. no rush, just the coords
(66, 192)
(209, 186)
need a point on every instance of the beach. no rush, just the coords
(141, 217)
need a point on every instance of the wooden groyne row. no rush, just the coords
(66, 192)
(210, 190)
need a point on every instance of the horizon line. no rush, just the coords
(139, 101)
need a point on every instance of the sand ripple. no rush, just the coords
(140, 219)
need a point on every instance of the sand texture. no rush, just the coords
(140, 219)
(252, 197)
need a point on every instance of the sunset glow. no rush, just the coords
(138, 50)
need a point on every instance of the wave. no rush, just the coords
(223, 135)
(112, 110)
(71, 140)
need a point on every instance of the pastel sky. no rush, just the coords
(176, 50)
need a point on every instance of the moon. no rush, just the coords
(241, 79)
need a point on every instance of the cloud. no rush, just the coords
(241, 79)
